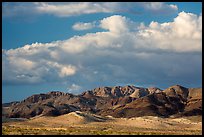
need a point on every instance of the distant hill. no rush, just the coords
(127, 101)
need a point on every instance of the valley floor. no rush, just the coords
(77, 124)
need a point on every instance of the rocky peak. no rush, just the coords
(119, 91)
(154, 90)
(57, 93)
(37, 97)
(128, 90)
(139, 93)
(116, 91)
(177, 91)
(102, 91)
(87, 94)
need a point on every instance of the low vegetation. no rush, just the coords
(13, 130)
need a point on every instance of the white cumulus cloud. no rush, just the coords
(73, 88)
(184, 34)
(67, 9)
(83, 26)
(158, 52)
(115, 24)
(157, 6)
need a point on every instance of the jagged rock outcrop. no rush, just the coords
(127, 101)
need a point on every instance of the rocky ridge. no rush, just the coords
(118, 101)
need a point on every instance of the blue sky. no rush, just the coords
(80, 46)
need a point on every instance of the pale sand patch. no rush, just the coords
(94, 122)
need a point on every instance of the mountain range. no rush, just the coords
(118, 101)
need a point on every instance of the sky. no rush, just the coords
(78, 46)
